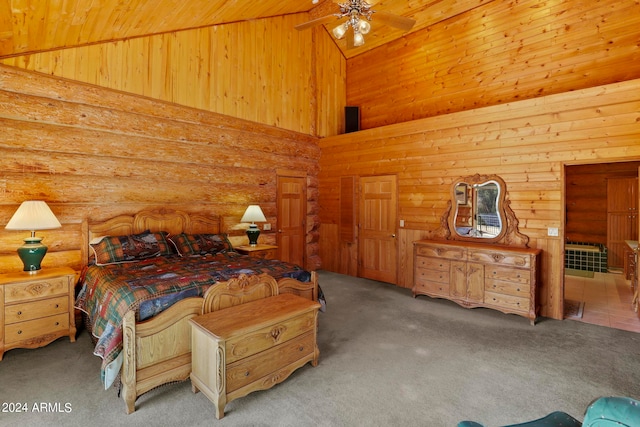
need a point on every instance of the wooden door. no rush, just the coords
(377, 246)
(292, 213)
(622, 218)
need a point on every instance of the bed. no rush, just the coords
(137, 309)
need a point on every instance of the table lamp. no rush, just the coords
(253, 214)
(33, 215)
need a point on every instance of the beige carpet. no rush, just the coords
(386, 359)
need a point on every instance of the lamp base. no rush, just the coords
(252, 233)
(32, 253)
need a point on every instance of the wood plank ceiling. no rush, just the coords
(28, 26)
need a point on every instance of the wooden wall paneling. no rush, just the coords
(93, 152)
(526, 142)
(256, 70)
(480, 58)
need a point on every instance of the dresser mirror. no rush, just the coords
(478, 208)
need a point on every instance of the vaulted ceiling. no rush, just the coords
(28, 26)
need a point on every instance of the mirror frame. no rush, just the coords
(478, 180)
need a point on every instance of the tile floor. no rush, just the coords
(607, 300)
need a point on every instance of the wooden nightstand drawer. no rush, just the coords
(265, 338)
(36, 328)
(34, 310)
(258, 251)
(30, 290)
(251, 369)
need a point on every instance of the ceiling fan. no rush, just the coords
(358, 14)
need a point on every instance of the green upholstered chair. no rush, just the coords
(603, 412)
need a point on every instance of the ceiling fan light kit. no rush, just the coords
(358, 14)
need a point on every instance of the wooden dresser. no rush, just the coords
(478, 275)
(252, 346)
(36, 309)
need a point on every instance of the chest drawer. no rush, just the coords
(35, 328)
(429, 287)
(511, 259)
(266, 363)
(428, 275)
(34, 310)
(265, 338)
(509, 302)
(432, 263)
(26, 291)
(514, 275)
(443, 251)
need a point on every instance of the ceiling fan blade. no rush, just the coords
(396, 21)
(317, 21)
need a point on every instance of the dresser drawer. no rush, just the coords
(516, 289)
(431, 288)
(508, 302)
(433, 263)
(441, 251)
(246, 371)
(34, 310)
(428, 275)
(265, 338)
(508, 274)
(513, 259)
(27, 291)
(36, 328)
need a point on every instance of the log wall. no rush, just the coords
(528, 143)
(92, 152)
(501, 51)
(261, 70)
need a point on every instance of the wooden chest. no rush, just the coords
(252, 346)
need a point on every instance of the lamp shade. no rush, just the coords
(253, 214)
(33, 215)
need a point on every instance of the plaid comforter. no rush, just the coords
(154, 284)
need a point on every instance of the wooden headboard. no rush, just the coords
(169, 220)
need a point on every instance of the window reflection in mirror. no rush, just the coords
(477, 213)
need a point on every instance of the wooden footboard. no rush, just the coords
(158, 351)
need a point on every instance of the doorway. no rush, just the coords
(594, 242)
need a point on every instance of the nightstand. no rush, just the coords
(36, 309)
(258, 251)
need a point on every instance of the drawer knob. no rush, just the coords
(20, 332)
(20, 313)
(301, 348)
(57, 305)
(246, 374)
(57, 323)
